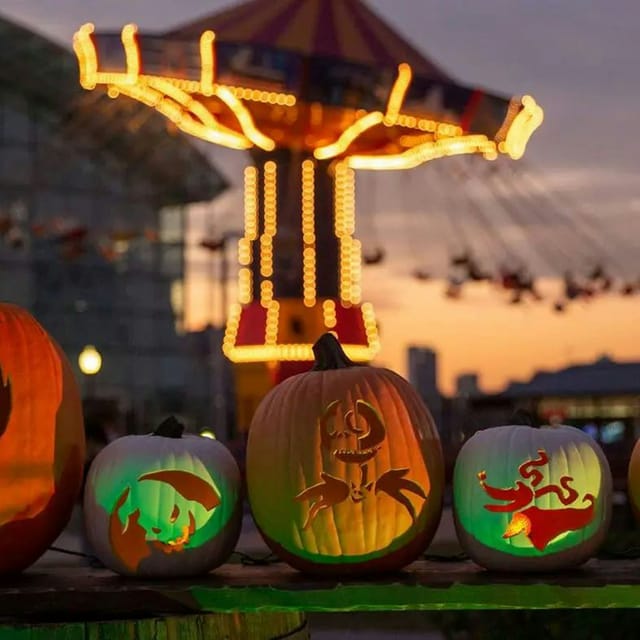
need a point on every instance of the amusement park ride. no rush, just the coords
(314, 90)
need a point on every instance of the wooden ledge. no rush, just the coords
(80, 593)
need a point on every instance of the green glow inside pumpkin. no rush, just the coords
(354, 486)
(526, 531)
(162, 510)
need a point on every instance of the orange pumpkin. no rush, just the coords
(41, 440)
(344, 468)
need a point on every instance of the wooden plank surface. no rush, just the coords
(81, 593)
(237, 626)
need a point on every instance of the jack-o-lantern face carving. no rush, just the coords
(163, 506)
(362, 431)
(344, 468)
(354, 437)
(531, 499)
(41, 440)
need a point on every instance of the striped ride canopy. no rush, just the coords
(344, 29)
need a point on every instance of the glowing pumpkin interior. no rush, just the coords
(531, 492)
(344, 468)
(159, 495)
(41, 439)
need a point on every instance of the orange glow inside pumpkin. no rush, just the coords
(31, 383)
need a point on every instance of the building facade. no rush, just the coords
(423, 375)
(92, 214)
(601, 398)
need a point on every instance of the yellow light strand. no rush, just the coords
(329, 314)
(85, 51)
(270, 197)
(197, 109)
(251, 203)
(397, 94)
(183, 120)
(522, 128)
(131, 52)
(297, 351)
(244, 252)
(207, 62)
(245, 289)
(291, 352)
(245, 119)
(266, 293)
(347, 137)
(308, 234)
(424, 152)
(338, 196)
(271, 327)
(231, 330)
(519, 125)
(349, 253)
(339, 223)
(370, 327)
(89, 77)
(270, 201)
(355, 293)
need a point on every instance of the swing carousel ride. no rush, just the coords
(314, 90)
(502, 227)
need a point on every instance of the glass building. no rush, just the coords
(92, 200)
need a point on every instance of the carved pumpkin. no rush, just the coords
(633, 481)
(535, 499)
(163, 504)
(344, 468)
(41, 440)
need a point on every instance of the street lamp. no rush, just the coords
(90, 362)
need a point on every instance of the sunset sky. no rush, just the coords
(579, 60)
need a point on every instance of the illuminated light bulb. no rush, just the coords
(90, 360)
(271, 329)
(207, 433)
(245, 285)
(266, 293)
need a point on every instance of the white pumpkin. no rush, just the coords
(533, 499)
(163, 504)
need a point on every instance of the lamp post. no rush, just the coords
(90, 363)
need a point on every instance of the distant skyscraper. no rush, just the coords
(423, 375)
(467, 385)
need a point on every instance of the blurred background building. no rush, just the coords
(602, 398)
(92, 221)
(423, 375)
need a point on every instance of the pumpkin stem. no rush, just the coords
(169, 428)
(523, 417)
(329, 354)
